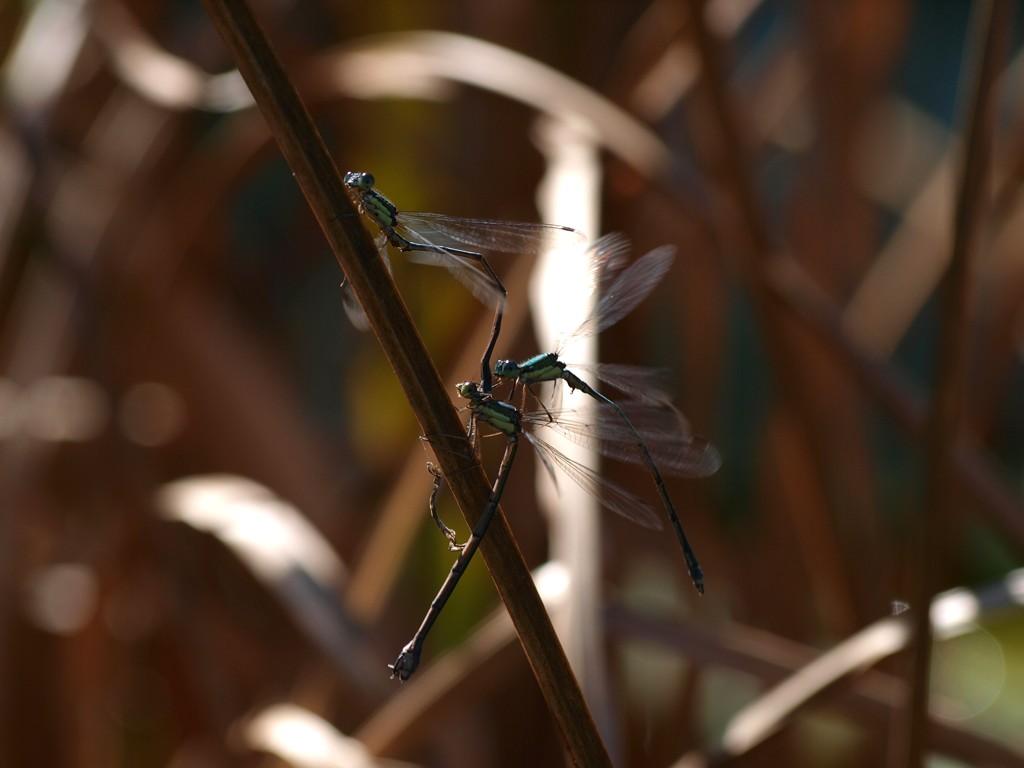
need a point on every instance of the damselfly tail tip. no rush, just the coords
(697, 576)
(404, 665)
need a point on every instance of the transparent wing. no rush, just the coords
(459, 262)
(608, 255)
(611, 495)
(353, 308)
(605, 430)
(487, 236)
(624, 292)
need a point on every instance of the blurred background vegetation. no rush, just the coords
(212, 494)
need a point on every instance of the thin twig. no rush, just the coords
(321, 184)
(931, 551)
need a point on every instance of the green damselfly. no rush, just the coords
(680, 454)
(622, 289)
(460, 245)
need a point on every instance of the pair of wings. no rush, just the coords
(459, 244)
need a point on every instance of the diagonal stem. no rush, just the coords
(320, 182)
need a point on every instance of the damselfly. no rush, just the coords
(457, 244)
(622, 289)
(680, 454)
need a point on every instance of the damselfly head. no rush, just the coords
(360, 180)
(506, 369)
(468, 389)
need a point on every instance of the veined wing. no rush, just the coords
(625, 291)
(353, 308)
(610, 494)
(451, 255)
(675, 453)
(490, 236)
(606, 257)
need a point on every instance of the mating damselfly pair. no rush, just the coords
(643, 429)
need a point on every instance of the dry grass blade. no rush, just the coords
(304, 740)
(727, 165)
(413, 63)
(991, 22)
(765, 715)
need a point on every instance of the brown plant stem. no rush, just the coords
(740, 224)
(320, 182)
(930, 547)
